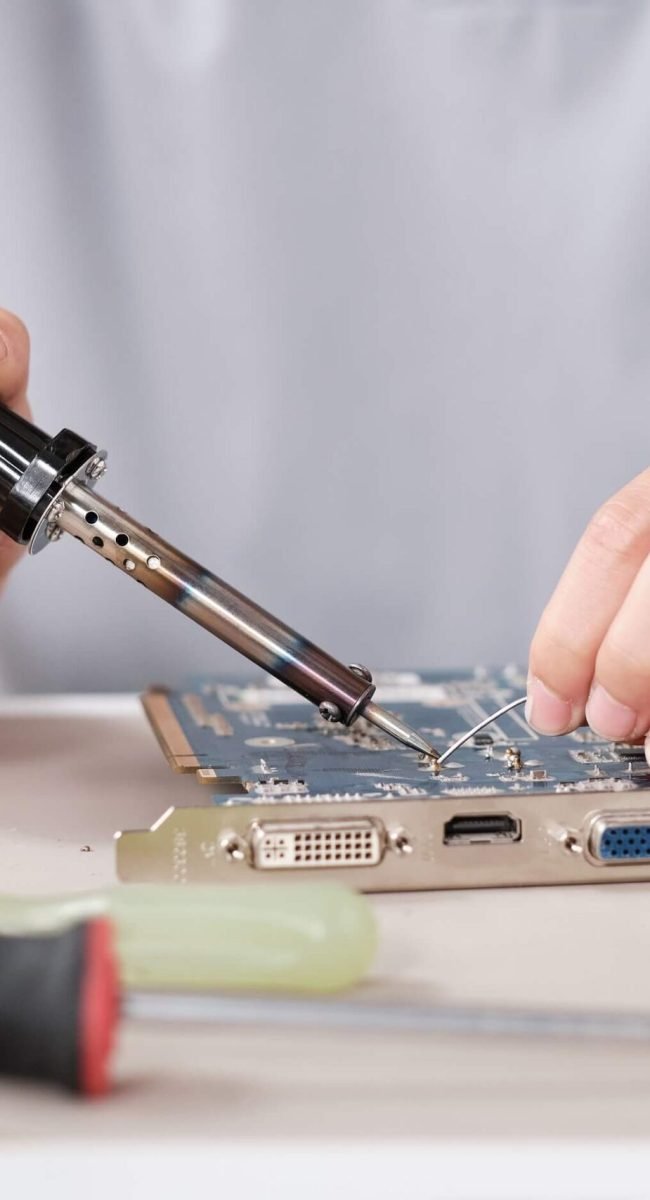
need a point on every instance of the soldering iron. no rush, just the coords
(47, 489)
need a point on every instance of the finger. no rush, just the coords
(619, 704)
(14, 361)
(593, 587)
(14, 373)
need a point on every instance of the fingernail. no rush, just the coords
(4, 348)
(608, 717)
(545, 711)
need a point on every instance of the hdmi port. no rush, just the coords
(490, 828)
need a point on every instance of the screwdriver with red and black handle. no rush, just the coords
(71, 964)
(59, 1006)
(60, 1003)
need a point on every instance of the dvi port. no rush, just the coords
(309, 845)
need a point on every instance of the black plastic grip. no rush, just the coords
(20, 442)
(33, 469)
(40, 996)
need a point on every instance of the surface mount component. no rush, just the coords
(285, 794)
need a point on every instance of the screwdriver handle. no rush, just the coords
(59, 1006)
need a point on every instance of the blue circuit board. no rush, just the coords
(257, 742)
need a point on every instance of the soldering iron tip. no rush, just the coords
(398, 729)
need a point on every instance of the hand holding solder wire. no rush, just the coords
(590, 656)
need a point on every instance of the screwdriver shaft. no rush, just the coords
(246, 1010)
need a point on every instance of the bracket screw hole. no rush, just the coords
(400, 841)
(234, 848)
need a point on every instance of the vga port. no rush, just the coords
(309, 845)
(621, 837)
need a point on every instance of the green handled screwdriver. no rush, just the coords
(60, 1003)
(292, 937)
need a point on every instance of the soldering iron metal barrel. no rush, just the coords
(41, 487)
(212, 603)
(40, 484)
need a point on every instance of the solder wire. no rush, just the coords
(477, 729)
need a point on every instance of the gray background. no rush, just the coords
(357, 294)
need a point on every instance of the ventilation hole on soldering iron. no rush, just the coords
(91, 517)
(122, 539)
(97, 541)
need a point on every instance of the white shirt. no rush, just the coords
(356, 294)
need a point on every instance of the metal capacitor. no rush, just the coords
(46, 488)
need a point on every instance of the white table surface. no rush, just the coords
(311, 1113)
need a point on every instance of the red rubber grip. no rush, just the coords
(99, 1007)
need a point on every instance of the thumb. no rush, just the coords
(14, 373)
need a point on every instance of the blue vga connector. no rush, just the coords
(620, 838)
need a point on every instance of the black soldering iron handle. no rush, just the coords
(34, 469)
(20, 442)
(58, 1007)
